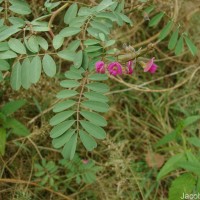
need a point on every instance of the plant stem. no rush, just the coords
(53, 16)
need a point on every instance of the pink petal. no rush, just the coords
(148, 65)
(153, 69)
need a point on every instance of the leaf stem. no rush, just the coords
(79, 102)
(53, 16)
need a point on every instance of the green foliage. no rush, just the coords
(156, 19)
(175, 134)
(184, 184)
(47, 173)
(179, 46)
(166, 30)
(80, 170)
(9, 124)
(71, 124)
(171, 165)
(191, 46)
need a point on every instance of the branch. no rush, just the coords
(53, 16)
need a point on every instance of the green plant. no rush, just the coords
(81, 171)
(81, 53)
(184, 159)
(9, 124)
(31, 52)
(47, 172)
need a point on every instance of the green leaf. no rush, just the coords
(58, 41)
(98, 77)
(15, 78)
(96, 106)
(149, 9)
(166, 30)
(8, 32)
(85, 12)
(156, 19)
(59, 129)
(94, 96)
(93, 130)
(73, 46)
(73, 75)
(94, 118)
(85, 61)
(33, 44)
(125, 18)
(35, 69)
(171, 165)
(40, 28)
(107, 15)
(60, 117)
(42, 43)
(70, 148)
(49, 65)
(19, 7)
(17, 46)
(109, 43)
(4, 65)
(25, 73)
(2, 141)
(92, 48)
(78, 59)
(77, 22)
(88, 141)
(191, 46)
(4, 46)
(71, 13)
(44, 180)
(190, 166)
(12, 106)
(66, 94)
(63, 139)
(63, 105)
(190, 120)
(167, 138)
(194, 141)
(17, 21)
(67, 55)
(69, 31)
(104, 5)
(89, 42)
(39, 173)
(93, 32)
(173, 39)
(101, 27)
(69, 83)
(18, 128)
(8, 55)
(184, 184)
(179, 46)
(98, 87)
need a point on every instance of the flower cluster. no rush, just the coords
(115, 68)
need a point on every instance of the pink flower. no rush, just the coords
(85, 161)
(100, 67)
(115, 68)
(129, 68)
(151, 66)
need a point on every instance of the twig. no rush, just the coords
(55, 13)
